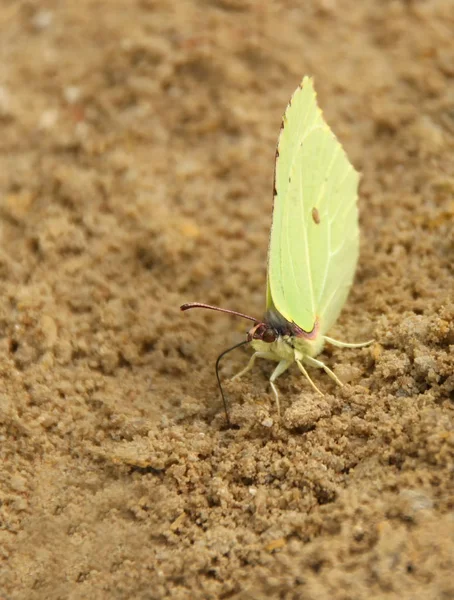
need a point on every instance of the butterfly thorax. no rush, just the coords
(287, 341)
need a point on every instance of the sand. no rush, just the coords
(136, 164)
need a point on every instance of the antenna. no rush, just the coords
(224, 310)
(219, 379)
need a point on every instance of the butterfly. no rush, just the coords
(313, 248)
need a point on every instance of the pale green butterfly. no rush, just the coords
(314, 245)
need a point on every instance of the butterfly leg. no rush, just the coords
(339, 344)
(321, 365)
(281, 368)
(251, 362)
(306, 375)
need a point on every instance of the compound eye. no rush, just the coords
(269, 335)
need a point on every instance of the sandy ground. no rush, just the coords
(136, 160)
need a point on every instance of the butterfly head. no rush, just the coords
(273, 327)
(264, 332)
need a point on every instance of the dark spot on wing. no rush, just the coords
(275, 168)
(315, 216)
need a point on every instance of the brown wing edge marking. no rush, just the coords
(307, 335)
